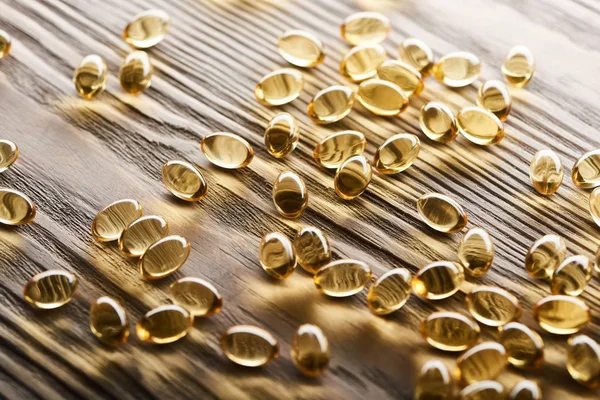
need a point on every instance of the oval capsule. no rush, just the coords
(141, 234)
(403, 75)
(483, 390)
(479, 126)
(90, 76)
(583, 360)
(494, 97)
(184, 180)
(390, 291)
(279, 87)
(164, 257)
(147, 29)
(5, 43)
(135, 74)
(437, 122)
(331, 104)
(361, 62)
(301, 48)
(524, 347)
(518, 66)
(525, 390)
(15, 207)
(476, 252)
(343, 278)
(9, 152)
(493, 306)
(397, 153)
(249, 346)
(332, 151)
(546, 172)
(111, 221)
(109, 322)
(457, 69)
(282, 135)
(441, 213)
(276, 255)
(586, 171)
(352, 177)
(417, 54)
(50, 289)
(545, 255)
(382, 97)
(310, 350)
(561, 314)
(572, 276)
(290, 194)
(365, 28)
(481, 362)
(434, 382)
(165, 324)
(449, 331)
(312, 249)
(438, 280)
(197, 296)
(227, 150)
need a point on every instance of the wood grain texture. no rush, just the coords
(78, 156)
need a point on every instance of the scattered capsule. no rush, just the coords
(165, 324)
(197, 296)
(594, 203)
(397, 153)
(483, 390)
(227, 150)
(111, 221)
(545, 255)
(450, 331)
(5, 43)
(136, 73)
(524, 347)
(276, 255)
(332, 151)
(479, 126)
(141, 234)
(365, 28)
(433, 382)
(583, 360)
(437, 122)
(382, 97)
(249, 346)
(361, 62)
(301, 48)
(9, 152)
(494, 97)
(343, 278)
(476, 252)
(403, 75)
(109, 322)
(312, 249)
(493, 306)
(15, 207)
(352, 177)
(279, 87)
(572, 276)
(438, 280)
(457, 69)
(310, 350)
(586, 171)
(184, 180)
(390, 291)
(481, 362)
(441, 213)
(147, 29)
(290, 194)
(164, 257)
(50, 289)
(417, 54)
(331, 104)
(90, 76)
(546, 172)
(519, 66)
(561, 315)
(282, 135)
(525, 390)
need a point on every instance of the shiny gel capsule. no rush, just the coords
(361, 62)
(111, 221)
(479, 126)
(494, 97)
(50, 289)
(312, 249)
(546, 172)
(434, 382)
(15, 207)
(441, 213)
(135, 74)
(457, 69)
(493, 306)
(437, 122)
(282, 135)
(290, 194)
(277, 256)
(417, 54)
(279, 87)
(164, 257)
(518, 66)
(390, 291)
(165, 324)
(403, 75)
(141, 234)
(449, 331)
(310, 350)
(572, 276)
(147, 29)
(90, 76)
(331, 104)
(365, 28)
(382, 98)
(561, 314)
(476, 252)
(343, 278)
(586, 171)
(481, 362)
(525, 390)
(9, 152)
(332, 151)
(524, 346)
(109, 321)
(583, 360)
(249, 346)
(438, 280)
(196, 295)
(397, 153)
(352, 177)
(545, 255)
(184, 180)
(227, 150)
(301, 48)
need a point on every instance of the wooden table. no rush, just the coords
(77, 156)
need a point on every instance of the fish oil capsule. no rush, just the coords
(481, 362)
(441, 213)
(147, 29)
(5, 43)
(457, 69)
(109, 322)
(301, 48)
(90, 76)
(572, 276)
(282, 135)
(279, 87)
(416, 54)
(312, 249)
(479, 126)
(382, 97)
(249, 346)
(164, 324)
(361, 62)
(50, 289)
(483, 390)
(365, 28)
(184, 180)
(524, 347)
(545, 255)
(136, 73)
(164, 257)
(583, 360)
(343, 278)
(476, 252)
(310, 350)
(15, 207)
(9, 152)
(276, 255)
(561, 315)
(111, 221)
(493, 306)
(332, 151)
(434, 382)
(594, 202)
(352, 177)
(525, 390)
(546, 172)
(450, 331)
(586, 171)
(518, 66)
(197, 296)
(141, 234)
(389, 292)
(438, 280)
(403, 75)
(290, 195)
(437, 122)
(227, 150)
(397, 153)
(494, 97)
(331, 104)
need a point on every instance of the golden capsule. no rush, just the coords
(479, 126)
(403, 75)
(438, 280)
(109, 322)
(5, 43)
(184, 180)
(141, 234)
(90, 76)
(301, 48)
(352, 177)
(197, 296)
(15, 207)
(249, 346)
(111, 221)
(279, 87)
(310, 350)
(437, 122)
(50, 289)
(546, 172)
(545, 255)
(164, 257)
(518, 66)
(282, 135)
(586, 171)
(277, 256)
(312, 249)
(561, 314)
(331, 104)
(594, 204)
(476, 252)
(9, 152)
(583, 360)
(365, 28)
(382, 97)
(494, 97)
(290, 194)
(361, 62)
(441, 213)
(449, 331)
(390, 291)
(397, 153)
(493, 306)
(524, 347)
(165, 324)
(417, 54)
(147, 29)
(434, 382)
(136, 73)
(525, 390)
(227, 150)
(481, 362)
(343, 278)
(332, 151)
(483, 390)
(572, 276)
(457, 69)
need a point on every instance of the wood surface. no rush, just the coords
(78, 156)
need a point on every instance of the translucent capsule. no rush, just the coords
(282, 135)
(310, 350)
(403, 75)
(90, 76)
(109, 322)
(9, 152)
(197, 296)
(545, 255)
(583, 360)
(434, 382)
(352, 177)
(483, 390)
(390, 291)
(165, 324)
(457, 69)
(276, 255)
(417, 54)
(450, 331)
(586, 171)
(397, 153)
(249, 346)
(141, 233)
(332, 151)
(301, 48)
(361, 62)
(476, 252)
(365, 28)
(312, 249)
(525, 390)
(546, 172)
(441, 213)
(343, 278)
(438, 280)
(290, 194)
(561, 314)
(164, 257)
(524, 347)
(382, 97)
(50, 289)
(227, 150)
(147, 29)
(594, 203)
(479, 126)
(15, 207)
(136, 73)
(572, 276)
(493, 306)
(184, 180)
(494, 97)
(331, 104)
(437, 122)
(519, 66)
(279, 87)
(111, 221)
(5, 43)
(481, 362)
